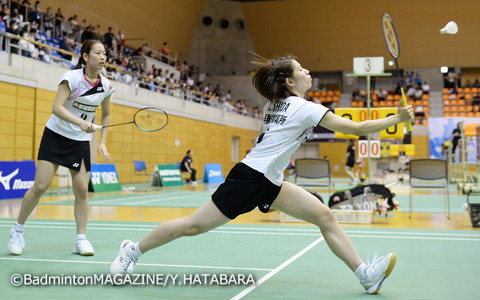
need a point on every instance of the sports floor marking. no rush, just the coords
(139, 264)
(261, 230)
(276, 270)
(157, 200)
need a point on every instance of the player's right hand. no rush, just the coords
(405, 113)
(87, 127)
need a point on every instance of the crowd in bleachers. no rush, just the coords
(39, 27)
(417, 92)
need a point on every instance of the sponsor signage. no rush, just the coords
(169, 175)
(213, 173)
(104, 178)
(16, 177)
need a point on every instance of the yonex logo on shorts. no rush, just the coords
(75, 165)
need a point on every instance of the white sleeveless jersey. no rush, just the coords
(83, 102)
(286, 125)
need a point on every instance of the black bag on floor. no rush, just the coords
(363, 197)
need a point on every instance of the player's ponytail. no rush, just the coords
(86, 47)
(270, 77)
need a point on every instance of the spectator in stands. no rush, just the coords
(411, 91)
(186, 166)
(426, 88)
(13, 29)
(109, 37)
(476, 84)
(165, 53)
(24, 7)
(121, 41)
(48, 22)
(397, 90)
(418, 93)
(16, 16)
(418, 78)
(35, 14)
(59, 19)
(468, 84)
(356, 95)
(217, 91)
(5, 14)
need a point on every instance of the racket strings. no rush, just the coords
(151, 119)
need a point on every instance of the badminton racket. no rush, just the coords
(393, 45)
(148, 119)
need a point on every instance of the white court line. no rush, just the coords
(276, 270)
(124, 198)
(158, 200)
(374, 235)
(229, 229)
(139, 264)
(414, 238)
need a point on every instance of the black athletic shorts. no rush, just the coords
(244, 189)
(63, 151)
(351, 163)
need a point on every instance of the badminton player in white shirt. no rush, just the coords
(65, 141)
(257, 181)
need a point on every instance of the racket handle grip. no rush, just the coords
(404, 103)
(98, 127)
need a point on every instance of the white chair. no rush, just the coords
(434, 170)
(313, 168)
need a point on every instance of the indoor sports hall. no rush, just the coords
(412, 191)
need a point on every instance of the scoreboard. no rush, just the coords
(360, 114)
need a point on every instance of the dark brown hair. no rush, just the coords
(86, 48)
(269, 78)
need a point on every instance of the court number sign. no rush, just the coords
(368, 65)
(364, 149)
(361, 114)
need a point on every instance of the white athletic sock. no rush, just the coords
(19, 227)
(80, 237)
(360, 271)
(136, 250)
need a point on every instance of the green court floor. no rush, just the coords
(287, 262)
(178, 197)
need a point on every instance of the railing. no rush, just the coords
(113, 72)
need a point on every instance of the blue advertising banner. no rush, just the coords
(103, 178)
(16, 177)
(213, 173)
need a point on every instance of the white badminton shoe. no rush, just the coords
(125, 260)
(377, 271)
(83, 247)
(16, 243)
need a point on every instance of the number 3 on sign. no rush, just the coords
(374, 149)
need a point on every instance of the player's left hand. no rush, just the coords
(102, 150)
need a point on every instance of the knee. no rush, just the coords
(326, 217)
(38, 188)
(81, 193)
